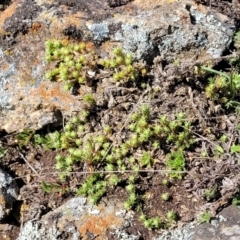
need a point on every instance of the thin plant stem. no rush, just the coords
(26, 161)
(125, 171)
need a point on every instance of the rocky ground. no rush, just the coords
(167, 38)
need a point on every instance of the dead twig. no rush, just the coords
(26, 161)
(126, 171)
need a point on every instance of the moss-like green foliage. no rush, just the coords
(171, 216)
(154, 222)
(51, 187)
(24, 137)
(124, 68)
(94, 186)
(73, 61)
(117, 159)
(225, 87)
(120, 161)
(3, 151)
(165, 196)
(176, 162)
(210, 193)
(205, 217)
(175, 131)
(101, 151)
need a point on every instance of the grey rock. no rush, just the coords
(33, 230)
(226, 226)
(8, 194)
(100, 31)
(180, 233)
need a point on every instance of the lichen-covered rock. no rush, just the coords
(174, 30)
(8, 194)
(76, 219)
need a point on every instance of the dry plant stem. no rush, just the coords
(230, 143)
(233, 55)
(26, 161)
(210, 5)
(127, 171)
(231, 140)
(197, 118)
(204, 138)
(205, 149)
(190, 92)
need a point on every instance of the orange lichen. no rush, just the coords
(54, 94)
(35, 27)
(98, 225)
(5, 66)
(108, 46)
(73, 19)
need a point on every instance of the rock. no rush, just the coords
(35, 119)
(225, 226)
(76, 219)
(180, 233)
(173, 30)
(8, 194)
